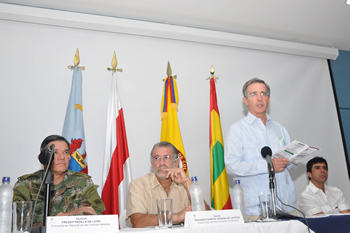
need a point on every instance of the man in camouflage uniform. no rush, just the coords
(73, 193)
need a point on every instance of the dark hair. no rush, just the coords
(254, 80)
(313, 161)
(165, 144)
(53, 138)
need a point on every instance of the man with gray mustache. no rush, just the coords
(166, 181)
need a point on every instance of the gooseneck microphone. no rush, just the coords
(45, 155)
(46, 158)
(266, 152)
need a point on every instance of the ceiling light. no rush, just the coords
(347, 2)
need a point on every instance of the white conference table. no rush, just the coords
(292, 226)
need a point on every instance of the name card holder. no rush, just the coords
(214, 217)
(82, 224)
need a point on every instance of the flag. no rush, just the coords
(116, 169)
(220, 194)
(170, 125)
(73, 128)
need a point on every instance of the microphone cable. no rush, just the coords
(267, 151)
(308, 228)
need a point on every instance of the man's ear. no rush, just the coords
(309, 174)
(245, 101)
(38, 156)
(177, 163)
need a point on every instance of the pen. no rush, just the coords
(283, 142)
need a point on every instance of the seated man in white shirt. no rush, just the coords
(318, 198)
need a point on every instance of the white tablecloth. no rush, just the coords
(292, 226)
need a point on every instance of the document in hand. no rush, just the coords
(295, 151)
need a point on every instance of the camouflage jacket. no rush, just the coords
(75, 190)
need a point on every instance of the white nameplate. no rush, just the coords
(84, 224)
(217, 217)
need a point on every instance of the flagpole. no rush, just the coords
(114, 64)
(76, 61)
(169, 72)
(170, 130)
(73, 127)
(116, 175)
(212, 71)
(219, 185)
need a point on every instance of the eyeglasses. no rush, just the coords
(165, 158)
(255, 94)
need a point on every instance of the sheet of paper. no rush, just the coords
(82, 224)
(217, 217)
(295, 151)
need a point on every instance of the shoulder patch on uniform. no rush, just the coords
(81, 174)
(28, 176)
(90, 190)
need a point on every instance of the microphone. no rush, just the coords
(45, 155)
(266, 153)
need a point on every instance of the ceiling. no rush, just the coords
(316, 22)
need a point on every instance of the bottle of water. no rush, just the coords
(197, 201)
(6, 194)
(238, 198)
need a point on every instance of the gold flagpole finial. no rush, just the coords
(76, 58)
(114, 64)
(212, 71)
(76, 61)
(169, 71)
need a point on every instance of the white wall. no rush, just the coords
(35, 85)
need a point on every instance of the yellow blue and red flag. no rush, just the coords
(170, 125)
(73, 128)
(220, 194)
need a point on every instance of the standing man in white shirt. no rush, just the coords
(243, 145)
(318, 198)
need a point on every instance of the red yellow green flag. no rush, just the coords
(170, 125)
(220, 194)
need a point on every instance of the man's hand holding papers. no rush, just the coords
(295, 151)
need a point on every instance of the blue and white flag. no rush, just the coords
(73, 128)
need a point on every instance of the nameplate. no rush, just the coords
(83, 224)
(216, 217)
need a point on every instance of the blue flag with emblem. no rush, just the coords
(73, 128)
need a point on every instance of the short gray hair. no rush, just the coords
(254, 80)
(165, 144)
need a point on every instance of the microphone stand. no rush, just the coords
(48, 181)
(272, 189)
(47, 204)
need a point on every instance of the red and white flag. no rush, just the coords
(116, 169)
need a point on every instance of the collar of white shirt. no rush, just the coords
(314, 189)
(251, 118)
